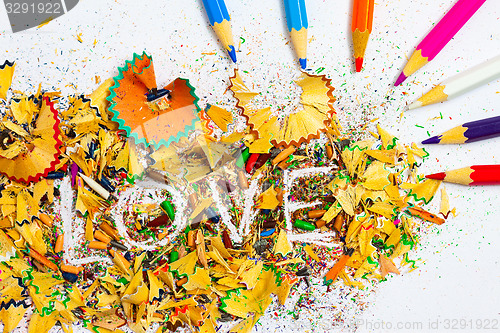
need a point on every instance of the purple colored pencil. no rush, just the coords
(74, 172)
(468, 132)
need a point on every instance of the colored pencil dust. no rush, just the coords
(473, 175)
(221, 22)
(469, 132)
(461, 83)
(296, 20)
(361, 27)
(439, 36)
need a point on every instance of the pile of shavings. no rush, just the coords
(370, 202)
(29, 137)
(364, 223)
(312, 116)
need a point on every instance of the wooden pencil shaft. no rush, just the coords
(473, 175)
(469, 132)
(439, 36)
(472, 78)
(95, 186)
(482, 129)
(447, 27)
(485, 174)
(362, 15)
(220, 20)
(296, 19)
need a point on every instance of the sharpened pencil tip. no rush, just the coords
(432, 140)
(414, 105)
(303, 63)
(400, 79)
(232, 53)
(437, 176)
(359, 64)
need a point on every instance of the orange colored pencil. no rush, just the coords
(362, 19)
(41, 259)
(425, 215)
(339, 266)
(334, 272)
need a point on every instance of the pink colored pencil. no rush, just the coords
(440, 35)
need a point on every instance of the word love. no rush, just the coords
(73, 226)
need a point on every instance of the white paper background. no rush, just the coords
(459, 279)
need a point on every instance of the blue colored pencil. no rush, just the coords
(296, 19)
(221, 22)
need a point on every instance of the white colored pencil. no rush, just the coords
(461, 83)
(96, 186)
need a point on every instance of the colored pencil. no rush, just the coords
(461, 83)
(468, 132)
(296, 20)
(221, 22)
(473, 175)
(425, 215)
(361, 27)
(439, 36)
